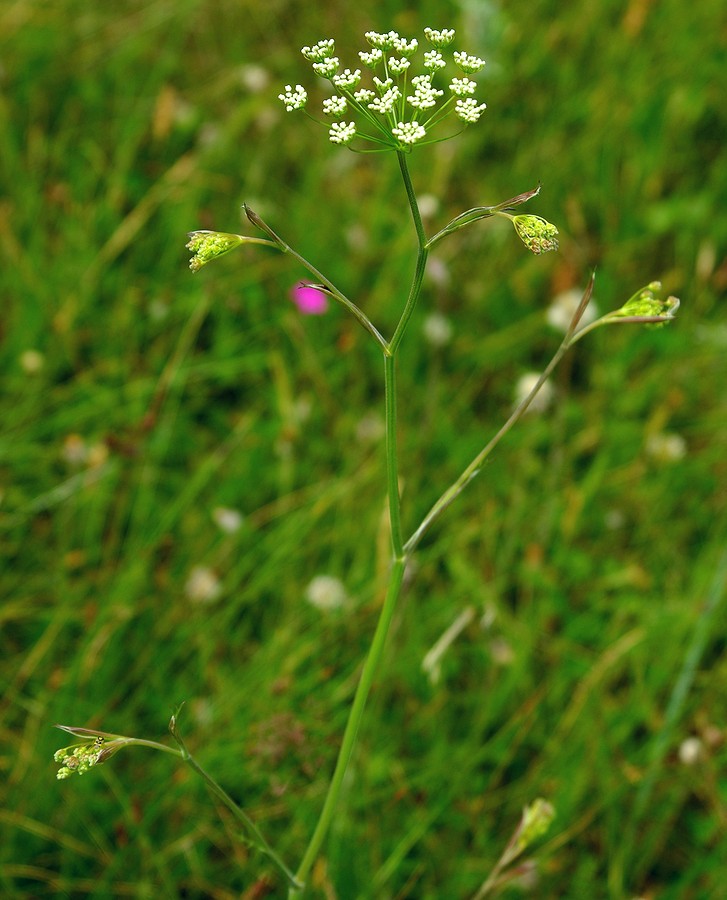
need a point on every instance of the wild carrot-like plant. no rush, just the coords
(398, 107)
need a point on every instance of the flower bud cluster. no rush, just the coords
(78, 758)
(401, 108)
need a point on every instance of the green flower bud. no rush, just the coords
(646, 303)
(536, 820)
(538, 235)
(208, 245)
(79, 758)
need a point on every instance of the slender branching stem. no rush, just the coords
(338, 295)
(350, 734)
(239, 813)
(392, 458)
(456, 488)
(422, 255)
(399, 560)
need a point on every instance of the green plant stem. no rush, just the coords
(422, 255)
(456, 488)
(354, 720)
(355, 311)
(398, 565)
(238, 813)
(392, 458)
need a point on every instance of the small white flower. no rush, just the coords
(320, 51)
(342, 132)
(294, 98)
(501, 652)
(561, 310)
(524, 386)
(409, 132)
(75, 450)
(461, 87)
(691, 751)
(385, 104)
(397, 66)
(437, 330)
(202, 585)
(383, 86)
(227, 519)
(439, 38)
(370, 429)
(364, 95)
(327, 68)
(326, 593)
(376, 39)
(425, 96)
(428, 206)
(666, 447)
(347, 78)
(371, 59)
(468, 64)
(468, 110)
(254, 78)
(433, 59)
(406, 48)
(32, 361)
(335, 106)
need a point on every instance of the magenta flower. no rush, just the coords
(310, 302)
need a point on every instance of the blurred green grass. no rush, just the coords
(158, 398)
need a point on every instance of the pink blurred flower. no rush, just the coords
(309, 301)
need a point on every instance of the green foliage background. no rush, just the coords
(126, 125)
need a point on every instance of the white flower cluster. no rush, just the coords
(425, 96)
(294, 98)
(335, 106)
(394, 114)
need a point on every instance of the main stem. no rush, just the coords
(399, 556)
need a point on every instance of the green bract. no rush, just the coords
(401, 108)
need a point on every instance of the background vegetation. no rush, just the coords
(137, 400)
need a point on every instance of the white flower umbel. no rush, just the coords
(347, 78)
(406, 48)
(397, 66)
(433, 60)
(293, 98)
(372, 58)
(468, 64)
(327, 68)
(438, 38)
(320, 51)
(390, 110)
(468, 110)
(461, 87)
(386, 103)
(342, 132)
(425, 96)
(335, 106)
(409, 132)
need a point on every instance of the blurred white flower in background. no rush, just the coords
(227, 519)
(32, 361)
(437, 330)
(561, 310)
(370, 428)
(691, 751)
(542, 399)
(203, 585)
(326, 593)
(666, 447)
